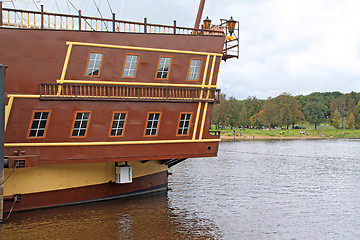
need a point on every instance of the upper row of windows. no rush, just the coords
(82, 118)
(131, 62)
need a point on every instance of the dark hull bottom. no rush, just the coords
(100, 192)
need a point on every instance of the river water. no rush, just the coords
(301, 189)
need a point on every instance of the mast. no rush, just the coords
(199, 14)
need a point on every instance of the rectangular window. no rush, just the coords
(94, 64)
(194, 69)
(152, 124)
(184, 124)
(81, 123)
(164, 68)
(39, 123)
(118, 124)
(130, 65)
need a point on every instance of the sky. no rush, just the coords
(292, 46)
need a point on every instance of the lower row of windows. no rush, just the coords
(81, 123)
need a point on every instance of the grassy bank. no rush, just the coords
(291, 133)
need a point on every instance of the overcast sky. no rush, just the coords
(294, 46)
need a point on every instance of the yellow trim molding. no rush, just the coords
(67, 144)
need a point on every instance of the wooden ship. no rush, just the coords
(100, 108)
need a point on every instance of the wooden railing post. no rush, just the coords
(174, 26)
(42, 16)
(145, 25)
(114, 19)
(79, 20)
(1, 15)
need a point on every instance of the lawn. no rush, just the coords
(322, 131)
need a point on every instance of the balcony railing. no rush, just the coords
(127, 93)
(43, 20)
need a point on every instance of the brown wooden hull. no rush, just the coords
(105, 191)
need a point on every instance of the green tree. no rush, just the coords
(270, 113)
(358, 113)
(340, 105)
(314, 111)
(250, 106)
(336, 119)
(289, 110)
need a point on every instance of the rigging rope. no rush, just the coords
(72, 5)
(67, 4)
(98, 8)
(110, 7)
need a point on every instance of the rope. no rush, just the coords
(11, 209)
(36, 5)
(110, 7)
(17, 164)
(97, 8)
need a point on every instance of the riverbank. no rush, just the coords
(267, 138)
(252, 134)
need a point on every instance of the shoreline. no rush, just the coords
(271, 138)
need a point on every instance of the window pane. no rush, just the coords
(75, 133)
(94, 64)
(152, 124)
(40, 133)
(80, 124)
(32, 133)
(77, 124)
(194, 69)
(37, 115)
(118, 124)
(184, 124)
(164, 66)
(38, 125)
(130, 66)
(83, 124)
(42, 124)
(35, 124)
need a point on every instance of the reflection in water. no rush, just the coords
(146, 217)
(253, 190)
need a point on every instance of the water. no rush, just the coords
(304, 189)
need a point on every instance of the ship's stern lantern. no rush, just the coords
(207, 23)
(231, 26)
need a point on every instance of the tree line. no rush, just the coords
(335, 108)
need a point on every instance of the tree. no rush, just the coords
(256, 120)
(289, 110)
(336, 119)
(269, 115)
(350, 123)
(249, 107)
(358, 113)
(340, 105)
(314, 111)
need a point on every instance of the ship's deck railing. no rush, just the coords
(14, 18)
(127, 93)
